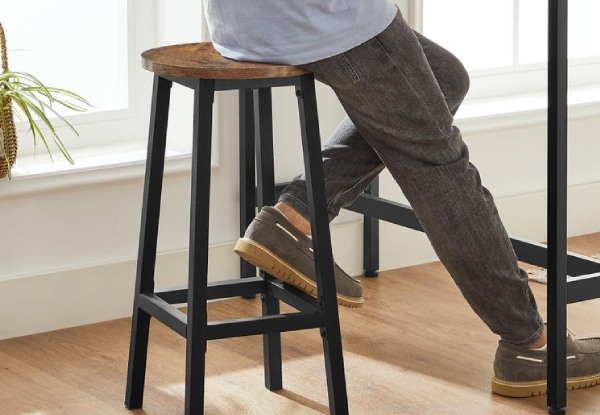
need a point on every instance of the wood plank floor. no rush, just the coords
(415, 348)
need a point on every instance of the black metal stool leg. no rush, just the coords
(140, 324)
(263, 123)
(272, 347)
(247, 172)
(263, 131)
(198, 272)
(371, 236)
(330, 332)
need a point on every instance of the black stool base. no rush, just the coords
(256, 140)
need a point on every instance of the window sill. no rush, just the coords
(478, 115)
(92, 165)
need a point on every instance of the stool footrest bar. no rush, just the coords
(174, 295)
(235, 288)
(177, 320)
(219, 289)
(267, 324)
(163, 312)
(291, 295)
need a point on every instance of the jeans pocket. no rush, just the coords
(336, 71)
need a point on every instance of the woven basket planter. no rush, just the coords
(8, 132)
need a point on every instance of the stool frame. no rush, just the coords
(320, 312)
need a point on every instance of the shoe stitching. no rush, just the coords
(533, 359)
(302, 239)
(287, 232)
(530, 359)
(290, 235)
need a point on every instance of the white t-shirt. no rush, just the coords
(294, 32)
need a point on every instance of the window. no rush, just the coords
(503, 43)
(81, 46)
(92, 48)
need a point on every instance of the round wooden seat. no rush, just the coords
(201, 60)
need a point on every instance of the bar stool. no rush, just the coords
(199, 67)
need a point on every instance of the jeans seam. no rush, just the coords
(344, 60)
(423, 103)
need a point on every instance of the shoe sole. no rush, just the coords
(535, 388)
(262, 258)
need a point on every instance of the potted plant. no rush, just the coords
(24, 96)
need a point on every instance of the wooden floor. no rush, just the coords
(415, 348)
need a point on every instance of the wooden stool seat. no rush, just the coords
(201, 60)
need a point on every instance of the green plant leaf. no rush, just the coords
(40, 112)
(33, 98)
(33, 127)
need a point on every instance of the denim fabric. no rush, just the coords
(400, 91)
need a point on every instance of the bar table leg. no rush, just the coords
(557, 205)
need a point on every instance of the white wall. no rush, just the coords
(68, 251)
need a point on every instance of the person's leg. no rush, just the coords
(350, 163)
(393, 98)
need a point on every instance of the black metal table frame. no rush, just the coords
(580, 274)
(571, 277)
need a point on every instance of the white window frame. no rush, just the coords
(527, 81)
(118, 138)
(119, 126)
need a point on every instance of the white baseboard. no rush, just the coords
(79, 296)
(85, 295)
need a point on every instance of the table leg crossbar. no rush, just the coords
(583, 272)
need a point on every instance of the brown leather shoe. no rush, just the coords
(274, 245)
(521, 373)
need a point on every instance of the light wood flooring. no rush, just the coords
(415, 348)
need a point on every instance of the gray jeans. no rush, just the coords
(400, 91)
